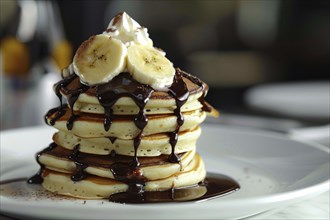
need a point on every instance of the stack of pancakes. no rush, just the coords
(95, 154)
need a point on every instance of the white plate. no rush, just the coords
(272, 171)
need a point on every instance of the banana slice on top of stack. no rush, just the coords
(149, 66)
(131, 121)
(101, 58)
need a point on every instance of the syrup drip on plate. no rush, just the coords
(214, 186)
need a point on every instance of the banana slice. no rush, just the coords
(149, 66)
(99, 59)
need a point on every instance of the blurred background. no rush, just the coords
(267, 62)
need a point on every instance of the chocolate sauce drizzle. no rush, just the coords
(60, 111)
(206, 106)
(72, 96)
(37, 178)
(180, 92)
(112, 139)
(79, 173)
(108, 94)
(125, 86)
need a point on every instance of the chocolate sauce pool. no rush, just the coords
(214, 186)
(124, 85)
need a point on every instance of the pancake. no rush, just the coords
(150, 146)
(93, 187)
(123, 127)
(151, 168)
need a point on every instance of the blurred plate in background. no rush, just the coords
(307, 100)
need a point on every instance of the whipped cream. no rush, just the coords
(127, 30)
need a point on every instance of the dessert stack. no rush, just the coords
(130, 122)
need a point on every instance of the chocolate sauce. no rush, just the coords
(79, 173)
(112, 139)
(59, 110)
(37, 178)
(113, 154)
(125, 172)
(214, 186)
(180, 93)
(206, 107)
(136, 143)
(123, 85)
(173, 158)
(72, 96)
(108, 94)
